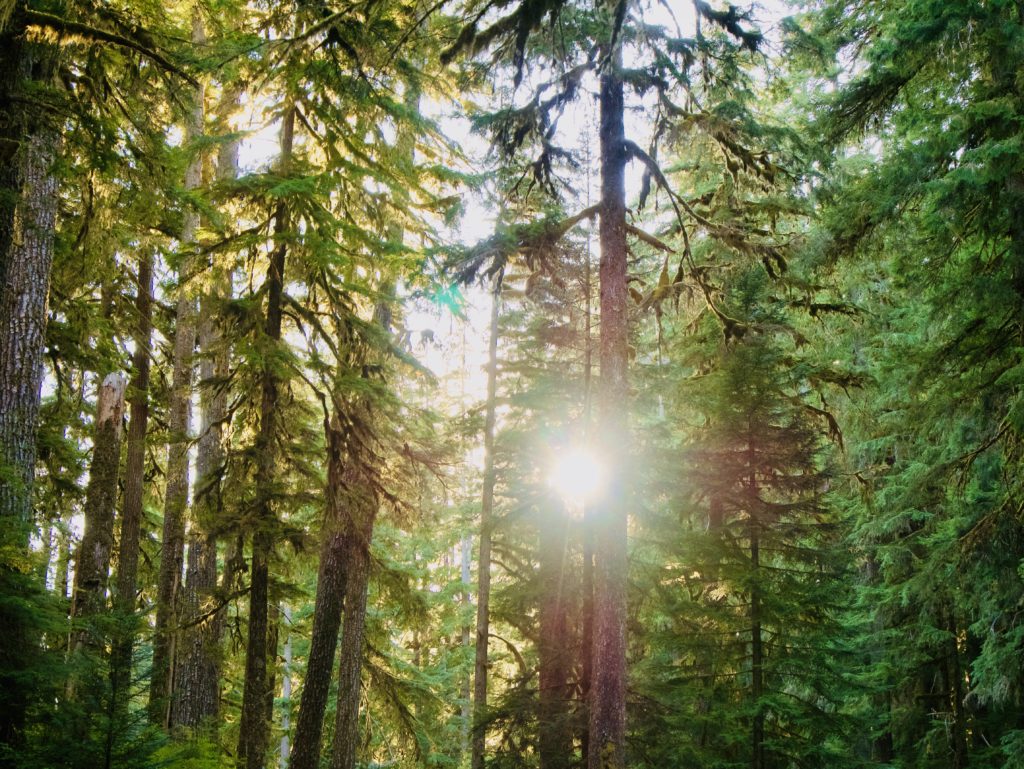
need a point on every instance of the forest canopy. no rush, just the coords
(512, 383)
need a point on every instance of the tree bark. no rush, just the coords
(92, 562)
(134, 486)
(362, 507)
(330, 592)
(197, 698)
(608, 686)
(253, 737)
(29, 145)
(176, 497)
(483, 590)
(555, 733)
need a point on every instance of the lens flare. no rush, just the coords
(577, 475)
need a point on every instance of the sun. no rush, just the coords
(577, 475)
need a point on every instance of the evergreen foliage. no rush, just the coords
(779, 261)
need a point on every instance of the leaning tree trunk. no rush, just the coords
(197, 684)
(134, 487)
(176, 498)
(254, 731)
(330, 593)
(608, 686)
(483, 590)
(554, 744)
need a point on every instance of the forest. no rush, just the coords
(484, 384)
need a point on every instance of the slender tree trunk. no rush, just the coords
(176, 498)
(63, 562)
(197, 698)
(466, 553)
(286, 688)
(608, 687)
(555, 734)
(134, 487)
(587, 580)
(330, 593)
(953, 673)
(483, 590)
(253, 729)
(92, 563)
(757, 760)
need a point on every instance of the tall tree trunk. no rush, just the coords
(198, 681)
(608, 686)
(362, 507)
(555, 734)
(29, 145)
(330, 593)
(587, 579)
(253, 729)
(134, 486)
(483, 590)
(176, 498)
(466, 554)
(92, 562)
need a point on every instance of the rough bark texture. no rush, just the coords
(198, 681)
(254, 732)
(608, 687)
(330, 593)
(28, 207)
(29, 145)
(553, 649)
(134, 485)
(176, 496)
(92, 561)
(483, 590)
(361, 507)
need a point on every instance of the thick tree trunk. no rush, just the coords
(608, 686)
(29, 146)
(197, 698)
(253, 739)
(134, 486)
(555, 733)
(92, 562)
(176, 497)
(483, 590)
(330, 592)
(362, 507)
